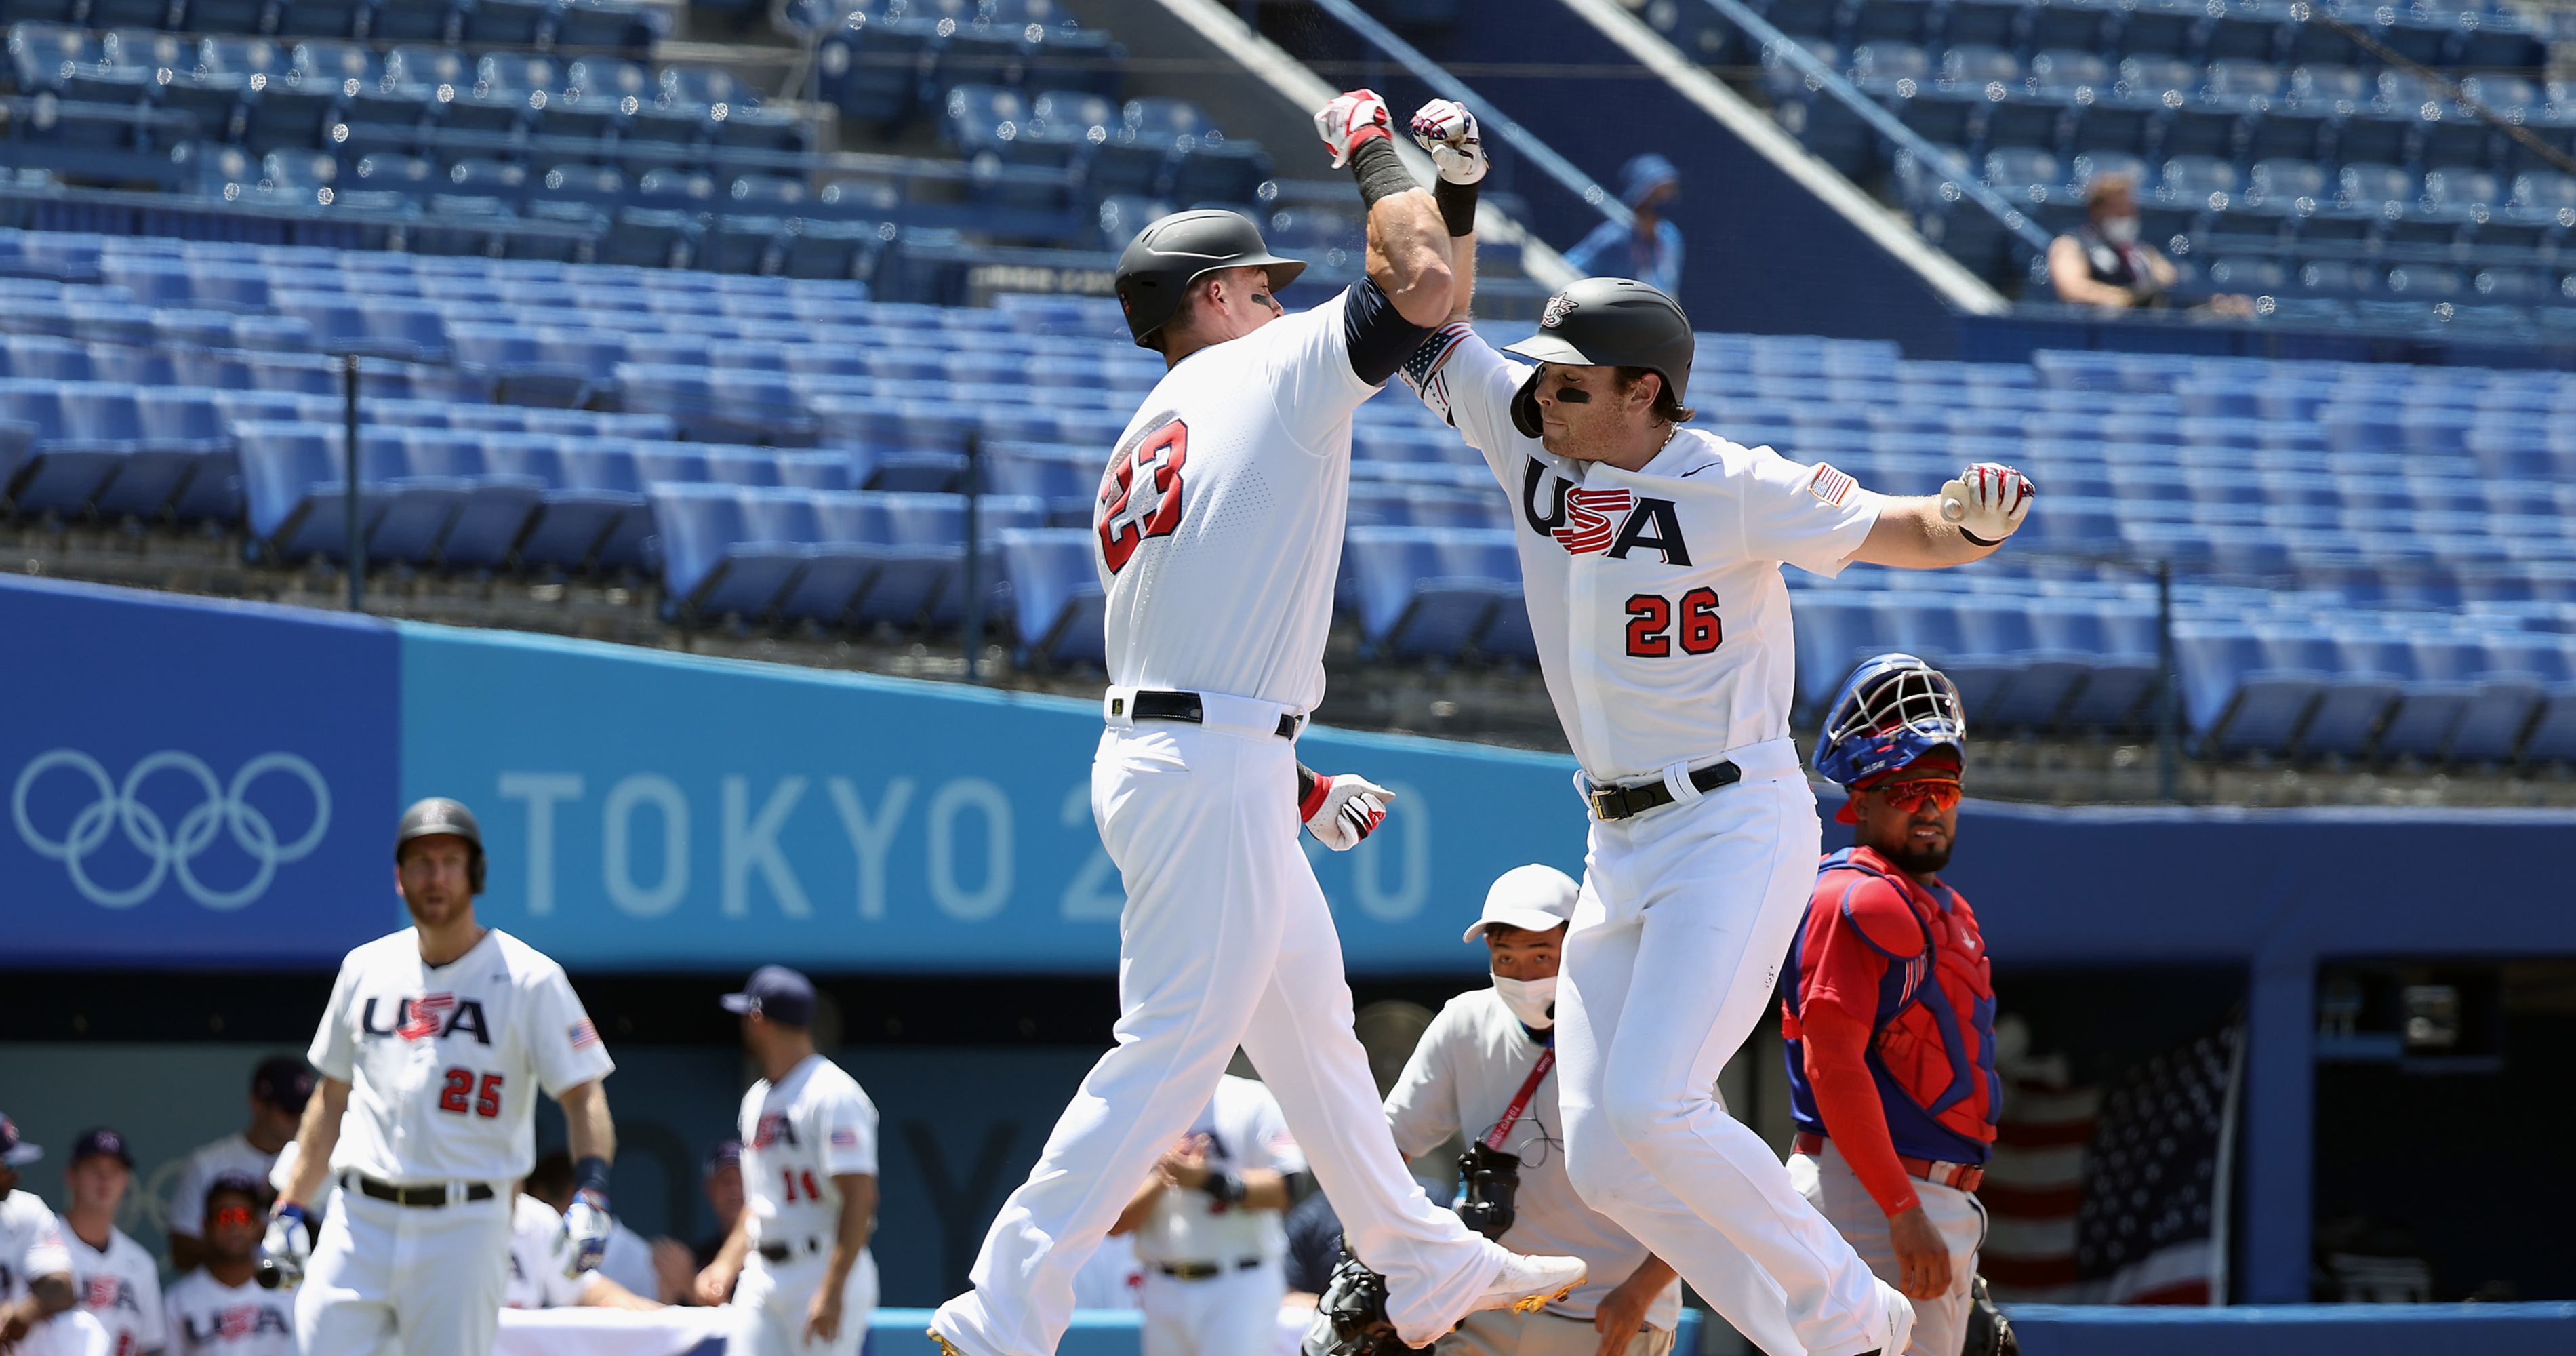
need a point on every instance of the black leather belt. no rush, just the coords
(1623, 802)
(1204, 1271)
(781, 1251)
(1186, 708)
(419, 1196)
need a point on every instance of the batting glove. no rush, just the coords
(288, 1246)
(1342, 810)
(1988, 502)
(1448, 131)
(1351, 119)
(587, 1224)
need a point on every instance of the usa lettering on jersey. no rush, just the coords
(234, 1322)
(774, 1129)
(1614, 521)
(434, 1016)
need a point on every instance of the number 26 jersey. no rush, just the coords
(444, 1062)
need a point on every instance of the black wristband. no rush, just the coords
(1380, 170)
(1457, 207)
(1975, 540)
(1225, 1188)
(591, 1174)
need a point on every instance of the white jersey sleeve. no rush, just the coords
(1813, 517)
(1267, 1140)
(560, 1036)
(1469, 383)
(842, 1120)
(31, 1244)
(334, 1052)
(1422, 1107)
(1307, 357)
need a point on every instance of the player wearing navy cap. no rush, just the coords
(117, 1281)
(797, 1261)
(278, 1088)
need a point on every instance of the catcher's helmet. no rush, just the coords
(437, 815)
(1155, 272)
(1606, 322)
(1892, 710)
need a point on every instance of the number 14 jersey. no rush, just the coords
(797, 1135)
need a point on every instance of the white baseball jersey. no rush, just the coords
(1467, 1068)
(31, 1244)
(796, 1136)
(1244, 1130)
(444, 1062)
(1655, 595)
(540, 1249)
(1219, 520)
(120, 1285)
(209, 1318)
(233, 1153)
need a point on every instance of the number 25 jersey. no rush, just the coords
(444, 1062)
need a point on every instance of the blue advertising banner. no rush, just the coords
(192, 782)
(651, 811)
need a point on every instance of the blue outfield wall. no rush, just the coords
(649, 811)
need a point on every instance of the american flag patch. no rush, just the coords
(1831, 485)
(1421, 371)
(582, 1033)
(845, 1139)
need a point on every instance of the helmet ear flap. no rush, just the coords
(1525, 406)
(475, 870)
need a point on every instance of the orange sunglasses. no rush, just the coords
(1906, 798)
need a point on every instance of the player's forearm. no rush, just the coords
(587, 1125)
(316, 1137)
(1139, 1206)
(52, 1294)
(1264, 1189)
(858, 1213)
(1653, 1274)
(603, 1293)
(1408, 256)
(1837, 1044)
(1462, 275)
(1911, 534)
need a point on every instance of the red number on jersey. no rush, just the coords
(1648, 616)
(1141, 495)
(460, 1086)
(1701, 629)
(487, 1104)
(789, 1176)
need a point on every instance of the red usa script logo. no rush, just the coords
(1613, 521)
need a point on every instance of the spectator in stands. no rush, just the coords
(219, 1310)
(278, 1088)
(676, 1264)
(2104, 263)
(629, 1260)
(1651, 250)
(117, 1281)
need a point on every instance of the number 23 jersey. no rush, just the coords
(1654, 595)
(444, 1062)
(797, 1135)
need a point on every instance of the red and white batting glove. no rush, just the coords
(1988, 502)
(1341, 810)
(1351, 119)
(1445, 128)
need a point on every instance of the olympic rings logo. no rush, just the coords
(224, 808)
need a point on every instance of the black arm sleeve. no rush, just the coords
(1377, 334)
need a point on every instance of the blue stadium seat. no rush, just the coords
(1055, 592)
(1430, 591)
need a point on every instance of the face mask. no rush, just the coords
(1533, 1001)
(2121, 230)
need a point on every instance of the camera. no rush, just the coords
(1492, 1177)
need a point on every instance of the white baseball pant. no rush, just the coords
(773, 1297)
(1677, 940)
(1232, 1313)
(1940, 1325)
(1225, 941)
(395, 1280)
(73, 1332)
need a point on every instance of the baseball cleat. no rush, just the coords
(946, 1347)
(1528, 1284)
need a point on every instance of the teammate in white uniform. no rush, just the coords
(1208, 1228)
(1485, 1069)
(278, 1088)
(217, 1310)
(1220, 533)
(797, 1260)
(541, 1272)
(118, 1283)
(433, 1049)
(39, 1315)
(1650, 560)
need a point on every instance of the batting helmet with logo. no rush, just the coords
(439, 815)
(1606, 322)
(1155, 272)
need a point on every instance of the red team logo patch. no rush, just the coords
(428, 1017)
(1589, 516)
(1140, 496)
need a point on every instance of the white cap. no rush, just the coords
(1532, 898)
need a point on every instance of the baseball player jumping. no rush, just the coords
(1650, 559)
(1220, 532)
(432, 1051)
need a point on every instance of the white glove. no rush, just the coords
(587, 1225)
(283, 1253)
(1988, 501)
(1342, 810)
(1351, 119)
(1445, 128)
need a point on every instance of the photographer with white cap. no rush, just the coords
(1485, 1070)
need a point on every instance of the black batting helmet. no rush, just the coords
(1155, 272)
(1606, 322)
(439, 815)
